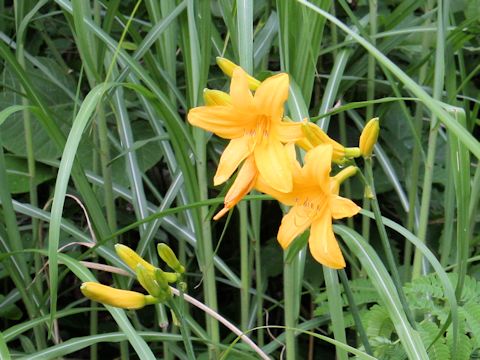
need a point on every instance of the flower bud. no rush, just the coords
(315, 136)
(228, 66)
(369, 137)
(165, 291)
(216, 97)
(148, 281)
(107, 295)
(170, 277)
(132, 259)
(170, 258)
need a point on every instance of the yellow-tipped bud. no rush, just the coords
(369, 137)
(107, 295)
(228, 66)
(147, 281)
(216, 97)
(132, 259)
(315, 136)
(343, 175)
(167, 255)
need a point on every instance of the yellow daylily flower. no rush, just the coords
(254, 125)
(247, 174)
(315, 202)
(108, 295)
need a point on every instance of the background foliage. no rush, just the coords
(93, 98)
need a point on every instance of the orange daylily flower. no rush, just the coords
(315, 202)
(254, 125)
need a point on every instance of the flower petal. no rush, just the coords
(323, 245)
(342, 207)
(289, 131)
(288, 199)
(241, 186)
(273, 164)
(293, 224)
(239, 92)
(235, 152)
(221, 120)
(271, 95)
(318, 163)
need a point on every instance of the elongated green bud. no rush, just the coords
(166, 292)
(108, 295)
(170, 277)
(369, 137)
(148, 281)
(228, 66)
(167, 255)
(132, 259)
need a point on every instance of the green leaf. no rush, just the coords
(18, 177)
(8, 310)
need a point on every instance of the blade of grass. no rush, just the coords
(4, 353)
(335, 306)
(82, 119)
(382, 282)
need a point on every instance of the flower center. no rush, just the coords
(260, 131)
(311, 206)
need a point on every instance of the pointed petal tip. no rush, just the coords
(221, 213)
(219, 179)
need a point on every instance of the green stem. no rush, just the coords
(106, 169)
(290, 296)
(93, 330)
(27, 125)
(438, 83)
(244, 267)
(205, 241)
(255, 210)
(178, 310)
(416, 152)
(371, 60)
(355, 312)
(385, 242)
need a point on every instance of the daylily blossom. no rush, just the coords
(315, 202)
(254, 125)
(248, 173)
